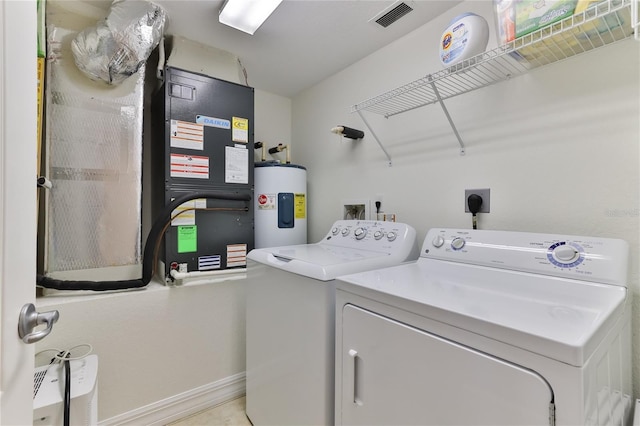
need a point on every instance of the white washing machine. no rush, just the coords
(488, 328)
(291, 317)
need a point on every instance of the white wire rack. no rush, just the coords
(607, 22)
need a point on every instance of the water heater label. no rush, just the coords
(300, 205)
(187, 135)
(267, 201)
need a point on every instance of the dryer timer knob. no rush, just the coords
(566, 253)
(457, 243)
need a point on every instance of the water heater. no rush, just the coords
(280, 204)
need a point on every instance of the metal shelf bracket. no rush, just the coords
(446, 113)
(366, 123)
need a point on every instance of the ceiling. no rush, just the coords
(303, 41)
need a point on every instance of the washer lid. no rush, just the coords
(321, 261)
(559, 318)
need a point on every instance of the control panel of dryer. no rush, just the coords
(369, 235)
(585, 258)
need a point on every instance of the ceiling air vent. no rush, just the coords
(392, 14)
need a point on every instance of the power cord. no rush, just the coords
(474, 201)
(67, 391)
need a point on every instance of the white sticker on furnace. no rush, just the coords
(267, 202)
(189, 166)
(236, 165)
(185, 214)
(187, 135)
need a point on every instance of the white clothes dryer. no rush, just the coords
(290, 318)
(488, 328)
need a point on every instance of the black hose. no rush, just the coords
(155, 234)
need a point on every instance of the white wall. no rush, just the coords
(273, 125)
(558, 147)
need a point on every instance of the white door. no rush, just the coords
(18, 100)
(395, 374)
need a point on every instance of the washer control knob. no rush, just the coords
(345, 232)
(360, 233)
(457, 243)
(335, 230)
(438, 241)
(378, 234)
(391, 236)
(566, 253)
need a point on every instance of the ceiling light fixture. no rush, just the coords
(247, 15)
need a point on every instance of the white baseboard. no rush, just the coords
(184, 404)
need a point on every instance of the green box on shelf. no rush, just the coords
(531, 15)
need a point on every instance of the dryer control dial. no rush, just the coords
(360, 233)
(565, 254)
(438, 241)
(345, 232)
(457, 243)
(335, 231)
(391, 236)
(378, 234)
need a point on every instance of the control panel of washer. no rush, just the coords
(586, 258)
(370, 234)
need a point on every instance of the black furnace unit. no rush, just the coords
(202, 136)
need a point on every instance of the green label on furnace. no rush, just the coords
(187, 239)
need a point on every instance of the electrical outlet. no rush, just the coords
(484, 193)
(356, 210)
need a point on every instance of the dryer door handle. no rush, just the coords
(357, 384)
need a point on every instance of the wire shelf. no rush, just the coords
(601, 25)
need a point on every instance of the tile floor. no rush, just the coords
(228, 414)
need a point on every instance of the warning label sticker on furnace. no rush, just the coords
(189, 166)
(240, 129)
(300, 206)
(266, 201)
(236, 165)
(187, 239)
(185, 214)
(187, 135)
(236, 255)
